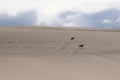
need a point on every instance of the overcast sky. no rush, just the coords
(54, 12)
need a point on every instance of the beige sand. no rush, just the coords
(49, 54)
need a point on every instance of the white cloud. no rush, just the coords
(55, 6)
(107, 21)
(49, 9)
(72, 24)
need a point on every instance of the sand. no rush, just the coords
(49, 54)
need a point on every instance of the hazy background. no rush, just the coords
(66, 13)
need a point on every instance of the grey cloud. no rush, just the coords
(106, 18)
(22, 19)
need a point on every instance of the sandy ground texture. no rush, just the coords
(50, 54)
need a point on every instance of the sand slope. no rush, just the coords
(49, 54)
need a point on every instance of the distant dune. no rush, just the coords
(54, 53)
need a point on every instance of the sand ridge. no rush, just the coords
(49, 54)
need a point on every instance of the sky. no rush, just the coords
(64, 13)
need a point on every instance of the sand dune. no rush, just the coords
(49, 54)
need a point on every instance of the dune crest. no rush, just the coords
(59, 54)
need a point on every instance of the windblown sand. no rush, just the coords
(49, 54)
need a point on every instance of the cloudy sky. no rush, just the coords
(65, 13)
